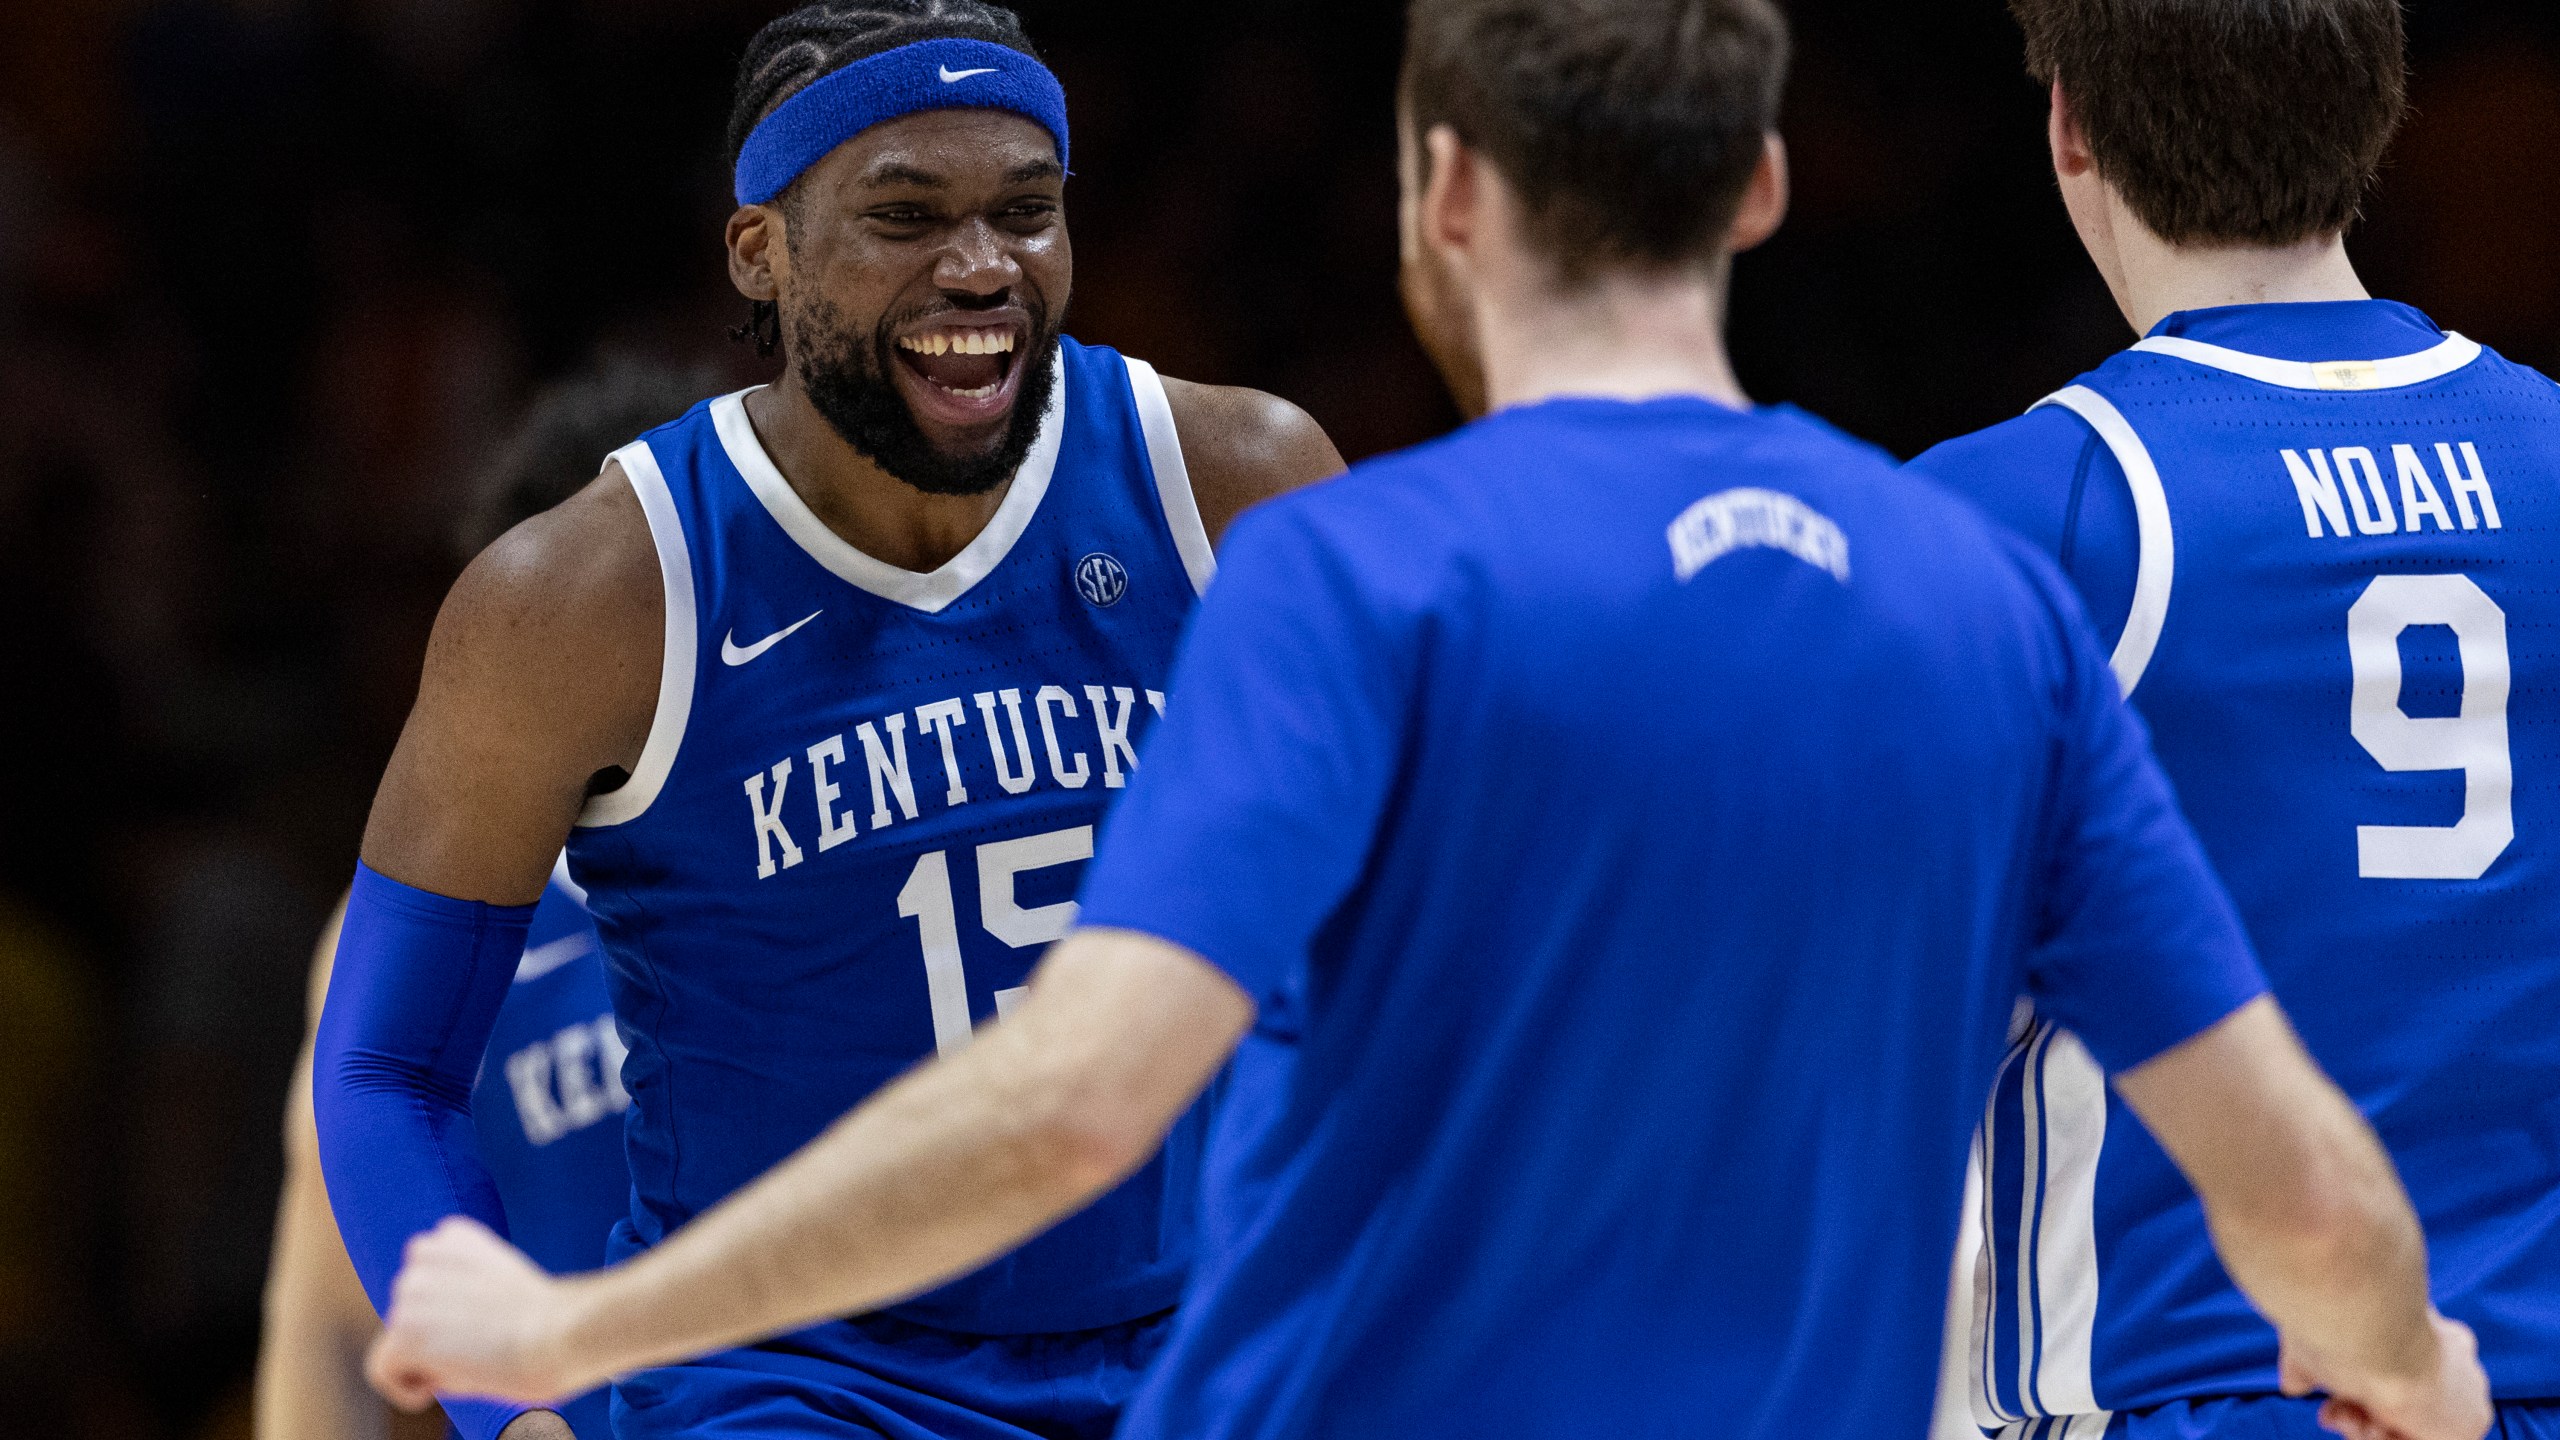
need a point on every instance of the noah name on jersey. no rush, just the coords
(2318, 477)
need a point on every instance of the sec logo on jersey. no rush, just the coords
(1100, 580)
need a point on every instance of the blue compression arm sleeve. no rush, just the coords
(412, 999)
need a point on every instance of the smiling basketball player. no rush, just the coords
(825, 687)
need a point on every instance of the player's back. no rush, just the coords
(1635, 1072)
(2349, 577)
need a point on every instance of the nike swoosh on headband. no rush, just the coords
(954, 77)
(731, 655)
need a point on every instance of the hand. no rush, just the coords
(538, 1425)
(2445, 1397)
(470, 1315)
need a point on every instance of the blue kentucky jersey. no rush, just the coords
(866, 803)
(2341, 633)
(549, 1104)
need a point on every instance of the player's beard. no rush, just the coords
(846, 375)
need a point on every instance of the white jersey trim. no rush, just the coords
(2391, 374)
(561, 877)
(929, 593)
(2158, 569)
(2070, 1099)
(2050, 1298)
(675, 673)
(1173, 476)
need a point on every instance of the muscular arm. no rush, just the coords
(949, 1167)
(2313, 1226)
(1243, 447)
(541, 674)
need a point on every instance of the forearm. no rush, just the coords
(2341, 1270)
(942, 1171)
(2306, 1211)
(939, 1173)
(960, 1161)
(311, 1357)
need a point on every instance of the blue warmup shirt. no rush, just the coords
(1635, 824)
(2323, 538)
(548, 1108)
(865, 806)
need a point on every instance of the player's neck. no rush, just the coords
(867, 507)
(1622, 337)
(2153, 279)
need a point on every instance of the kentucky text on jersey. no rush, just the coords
(831, 821)
(863, 810)
(568, 1081)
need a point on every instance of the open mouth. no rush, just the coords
(963, 374)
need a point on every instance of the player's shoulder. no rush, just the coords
(1243, 447)
(576, 568)
(2026, 452)
(2022, 472)
(563, 615)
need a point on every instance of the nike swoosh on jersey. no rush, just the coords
(542, 959)
(731, 655)
(954, 77)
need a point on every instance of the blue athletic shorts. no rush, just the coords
(2273, 1417)
(879, 1377)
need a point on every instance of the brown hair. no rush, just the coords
(2231, 122)
(1629, 127)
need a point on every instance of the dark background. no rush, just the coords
(275, 275)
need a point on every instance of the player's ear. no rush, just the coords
(2070, 143)
(1452, 201)
(1764, 200)
(756, 246)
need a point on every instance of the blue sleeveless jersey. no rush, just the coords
(865, 806)
(549, 1105)
(2345, 635)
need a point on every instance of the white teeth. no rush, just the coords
(965, 342)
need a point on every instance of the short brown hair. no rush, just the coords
(1629, 127)
(2231, 122)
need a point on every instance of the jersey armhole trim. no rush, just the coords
(2158, 568)
(676, 672)
(1173, 477)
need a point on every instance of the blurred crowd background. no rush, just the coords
(275, 275)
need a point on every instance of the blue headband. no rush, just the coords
(928, 75)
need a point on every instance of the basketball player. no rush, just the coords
(825, 687)
(1586, 834)
(547, 1106)
(2314, 526)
